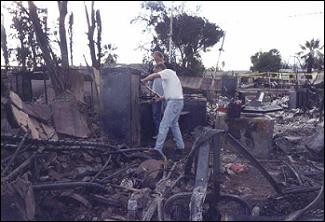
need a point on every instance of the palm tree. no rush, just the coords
(310, 51)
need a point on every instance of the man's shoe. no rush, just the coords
(159, 154)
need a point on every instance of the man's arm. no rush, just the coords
(150, 77)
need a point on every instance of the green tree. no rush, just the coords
(311, 54)
(266, 61)
(191, 34)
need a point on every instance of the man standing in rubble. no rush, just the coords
(157, 105)
(173, 95)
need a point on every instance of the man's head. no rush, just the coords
(159, 67)
(158, 57)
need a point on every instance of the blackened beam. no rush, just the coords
(22, 166)
(7, 137)
(20, 145)
(68, 185)
(201, 183)
(107, 201)
(297, 214)
(51, 147)
(204, 135)
(216, 146)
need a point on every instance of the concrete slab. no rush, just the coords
(255, 132)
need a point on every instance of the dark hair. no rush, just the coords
(160, 66)
(158, 54)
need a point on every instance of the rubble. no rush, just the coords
(55, 169)
(62, 117)
(35, 118)
(235, 168)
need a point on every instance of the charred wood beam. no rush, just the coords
(201, 137)
(125, 188)
(59, 148)
(216, 146)
(20, 145)
(108, 201)
(68, 185)
(22, 167)
(54, 148)
(297, 214)
(7, 137)
(104, 180)
(150, 211)
(295, 173)
(299, 190)
(102, 169)
(74, 145)
(201, 183)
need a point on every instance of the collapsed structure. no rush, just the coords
(250, 156)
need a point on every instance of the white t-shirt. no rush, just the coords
(171, 84)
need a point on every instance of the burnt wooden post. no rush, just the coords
(216, 146)
(201, 183)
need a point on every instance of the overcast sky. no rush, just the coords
(249, 26)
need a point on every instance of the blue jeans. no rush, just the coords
(156, 115)
(170, 120)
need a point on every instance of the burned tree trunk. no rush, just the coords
(99, 37)
(91, 29)
(92, 22)
(55, 73)
(31, 40)
(71, 37)
(4, 42)
(63, 37)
